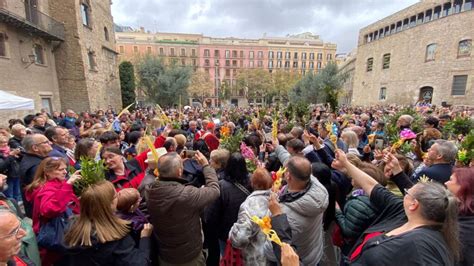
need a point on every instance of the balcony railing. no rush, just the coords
(35, 22)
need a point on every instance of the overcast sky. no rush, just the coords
(336, 21)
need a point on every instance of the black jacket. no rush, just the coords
(119, 252)
(28, 166)
(283, 230)
(466, 236)
(222, 214)
(14, 143)
(9, 166)
(421, 246)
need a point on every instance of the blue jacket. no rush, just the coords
(58, 152)
(438, 172)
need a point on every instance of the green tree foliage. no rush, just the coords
(201, 86)
(225, 91)
(323, 87)
(163, 84)
(256, 83)
(283, 82)
(127, 83)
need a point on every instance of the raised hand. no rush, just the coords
(74, 177)
(340, 162)
(288, 256)
(273, 205)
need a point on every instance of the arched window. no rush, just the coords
(430, 52)
(464, 48)
(106, 34)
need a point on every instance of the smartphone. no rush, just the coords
(189, 153)
(379, 144)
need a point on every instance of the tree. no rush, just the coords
(323, 87)
(332, 82)
(224, 91)
(283, 82)
(163, 84)
(127, 83)
(257, 83)
(200, 86)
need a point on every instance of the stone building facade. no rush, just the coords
(421, 53)
(346, 65)
(50, 54)
(87, 62)
(29, 38)
(222, 58)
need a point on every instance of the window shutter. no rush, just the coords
(459, 85)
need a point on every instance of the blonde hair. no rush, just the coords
(97, 218)
(46, 166)
(180, 140)
(352, 140)
(220, 156)
(3, 138)
(126, 198)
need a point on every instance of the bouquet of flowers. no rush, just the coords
(228, 141)
(401, 144)
(249, 156)
(466, 151)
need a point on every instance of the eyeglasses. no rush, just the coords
(408, 193)
(13, 233)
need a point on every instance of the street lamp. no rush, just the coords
(216, 77)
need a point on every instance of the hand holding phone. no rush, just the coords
(189, 153)
(379, 144)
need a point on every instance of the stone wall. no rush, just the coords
(69, 61)
(409, 70)
(19, 76)
(84, 87)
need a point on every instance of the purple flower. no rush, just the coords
(407, 134)
(246, 151)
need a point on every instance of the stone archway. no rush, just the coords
(426, 94)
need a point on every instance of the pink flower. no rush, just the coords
(407, 134)
(246, 151)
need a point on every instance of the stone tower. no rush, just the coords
(87, 62)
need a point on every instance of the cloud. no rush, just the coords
(335, 21)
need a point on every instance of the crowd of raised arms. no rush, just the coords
(278, 185)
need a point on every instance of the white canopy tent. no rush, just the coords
(12, 102)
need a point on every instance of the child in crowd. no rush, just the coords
(128, 200)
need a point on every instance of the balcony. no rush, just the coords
(36, 23)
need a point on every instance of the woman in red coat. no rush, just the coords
(51, 194)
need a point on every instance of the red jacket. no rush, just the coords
(50, 200)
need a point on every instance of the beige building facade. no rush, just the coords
(420, 54)
(346, 65)
(29, 38)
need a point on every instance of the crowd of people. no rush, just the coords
(334, 187)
